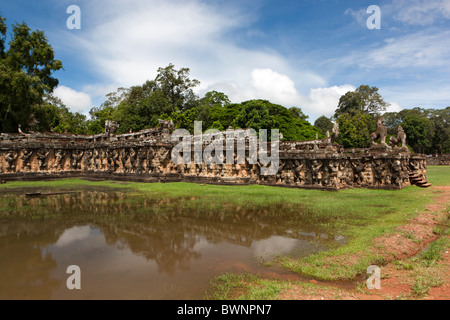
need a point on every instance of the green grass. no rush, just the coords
(246, 287)
(439, 175)
(434, 252)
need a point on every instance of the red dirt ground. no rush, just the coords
(396, 283)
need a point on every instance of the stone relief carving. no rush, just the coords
(316, 163)
(26, 159)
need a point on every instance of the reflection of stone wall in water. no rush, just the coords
(146, 156)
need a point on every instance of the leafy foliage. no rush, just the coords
(324, 124)
(354, 131)
(427, 130)
(170, 96)
(26, 69)
(364, 99)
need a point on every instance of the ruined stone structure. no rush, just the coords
(146, 156)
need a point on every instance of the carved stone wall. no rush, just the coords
(146, 156)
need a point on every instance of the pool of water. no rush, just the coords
(134, 246)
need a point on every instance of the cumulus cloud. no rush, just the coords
(324, 101)
(281, 89)
(262, 84)
(127, 44)
(74, 100)
(393, 107)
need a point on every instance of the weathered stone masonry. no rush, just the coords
(146, 156)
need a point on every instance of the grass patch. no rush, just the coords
(438, 175)
(245, 286)
(434, 252)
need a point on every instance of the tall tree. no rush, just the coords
(25, 74)
(364, 99)
(419, 133)
(177, 86)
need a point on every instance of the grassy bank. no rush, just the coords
(346, 262)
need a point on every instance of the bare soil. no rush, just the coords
(396, 283)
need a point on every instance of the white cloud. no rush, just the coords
(281, 89)
(324, 101)
(129, 43)
(74, 100)
(421, 49)
(409, 12)
(393, 107)
(422, 12)
(262, 84)
(359, 15)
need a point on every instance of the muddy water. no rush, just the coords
(132, 246)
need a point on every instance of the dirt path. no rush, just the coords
(401, 277)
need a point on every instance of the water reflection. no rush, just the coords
(135, 246)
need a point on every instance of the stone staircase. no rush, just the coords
(416, 180)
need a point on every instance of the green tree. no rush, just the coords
(262, 114)
(324, 124)
(213, 101)
(26, 69)
(364, 99)
(254, 114)
(441, 139)
(296, 112)
(177, 87)
(418, 131)
(52, 114)
(427, 130)
(354, 131)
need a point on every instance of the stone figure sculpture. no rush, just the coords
(58, 159)
(401, 138)
(380, 133)
(42, 156)
(11, 158)
(26, 156)
(316, 172)
(76, 159)
(111, 126)
(335, 132)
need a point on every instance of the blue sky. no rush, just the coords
(295, 53)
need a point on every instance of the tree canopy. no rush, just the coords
(427, 130)
(26, 69)
(364, 99)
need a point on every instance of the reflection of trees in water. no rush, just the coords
(171, 248)
(162, 229)
(24, 268)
